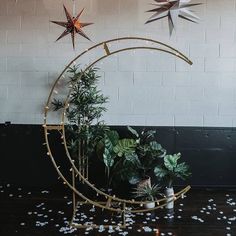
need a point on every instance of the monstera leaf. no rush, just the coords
(155, 146)
(171, 170)
(170, 161)
(125, 147)
(128, 172)
(182, 170)
(113, 136)
(160, 172)
(156, 149)
(132, 157)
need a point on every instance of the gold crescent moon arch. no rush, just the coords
(105, 45)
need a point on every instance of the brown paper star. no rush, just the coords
(73, 26)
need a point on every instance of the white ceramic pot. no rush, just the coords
(149, 205)
(169, 192)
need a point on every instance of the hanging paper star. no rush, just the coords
(73, 26)
(172, 9)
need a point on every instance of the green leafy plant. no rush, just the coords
(114, 151)
(86, 107)
(170, 169)
(147, 154)
(147, 193)
(131, 158)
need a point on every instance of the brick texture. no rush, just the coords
(145, 87)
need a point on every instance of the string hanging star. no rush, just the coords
(172, 9)
(73, 26)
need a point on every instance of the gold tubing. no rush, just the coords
(66, 102)
(176, 196)
(178, 53)
(73, 184)
(54, 127)
(84, 176)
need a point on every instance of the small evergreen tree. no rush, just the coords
(86, 106)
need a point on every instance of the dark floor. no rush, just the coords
(46, 213)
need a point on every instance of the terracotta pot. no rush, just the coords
(145, 182)
(169, 192)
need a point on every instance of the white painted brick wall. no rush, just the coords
(3, 64)
(145, 87)
(148, 79)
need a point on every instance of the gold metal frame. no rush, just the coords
(158, 46)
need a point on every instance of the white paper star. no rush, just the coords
(172, 9)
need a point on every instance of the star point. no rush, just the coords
(73, 26)
(172, 9)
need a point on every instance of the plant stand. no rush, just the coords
(108, 203)
(125, 206)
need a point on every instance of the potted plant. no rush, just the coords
(147, 193)
(169, 171)
(113, 151)
(130, 159)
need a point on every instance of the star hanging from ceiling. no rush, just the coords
(73, 26)
(172, 9)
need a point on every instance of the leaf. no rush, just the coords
(108, 158)
(160, 172)
(134, 179)
(133, 131)
(132, 157)
(170, 161)
(182, 171)
(159, 151)
(155, 146)
(125, 146)
(113, 136)
(57, 104)
(108, 144)
(149, 134)
(146, 192)
(73, 146)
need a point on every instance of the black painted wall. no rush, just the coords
(211, 153)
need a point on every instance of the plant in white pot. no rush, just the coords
(132, 158)
(169, 171)
(147, 193)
